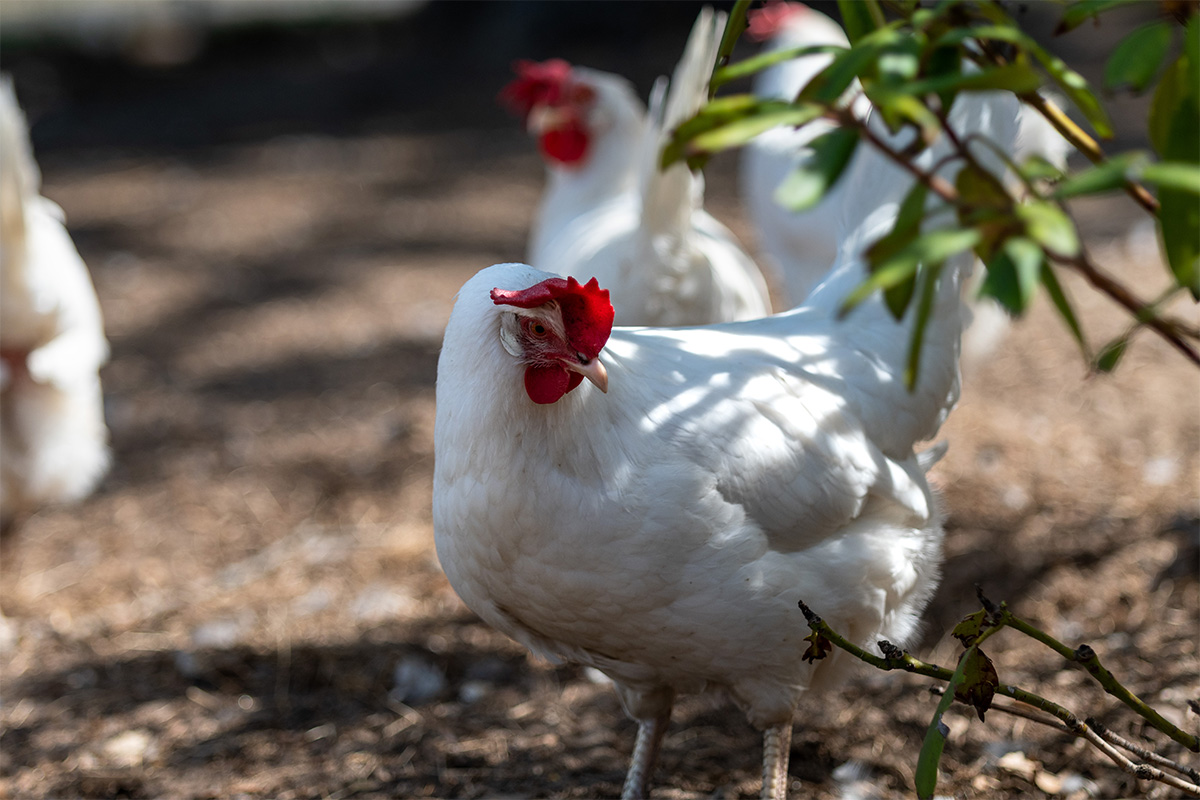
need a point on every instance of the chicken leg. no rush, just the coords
(645, 754)
(777, 745)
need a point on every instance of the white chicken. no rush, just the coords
(53, 440)
(661, 524)
(609, 212)
(798, 245)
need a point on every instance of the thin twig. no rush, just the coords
(1165, 328)
(1143, 753)
(1018, 710)
(1143, 771)
(935, 182)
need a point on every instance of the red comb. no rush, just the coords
(586, 311)
(536, 83)
(767, 21)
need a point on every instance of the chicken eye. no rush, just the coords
(536, 328)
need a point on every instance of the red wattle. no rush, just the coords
(548, 384)
(567, 145)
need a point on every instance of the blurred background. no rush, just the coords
(277, 201)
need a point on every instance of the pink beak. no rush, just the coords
(594, 371)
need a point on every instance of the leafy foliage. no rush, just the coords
(911, 63)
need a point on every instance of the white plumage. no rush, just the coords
(664, 531)
(53, 441)
(643, 232)
(799, 246)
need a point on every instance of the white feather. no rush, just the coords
(53, 441)
(646, 236)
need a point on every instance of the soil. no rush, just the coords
(250, 606)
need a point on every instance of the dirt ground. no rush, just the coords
(250, 606)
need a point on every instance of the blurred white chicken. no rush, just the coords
(608, 210)
(53, 440)
(661, 524)
(799, 245)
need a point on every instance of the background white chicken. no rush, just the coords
(664, 531)
(610, 212)
(53, 440)
(798, 246)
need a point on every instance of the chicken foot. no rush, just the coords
(777, 745)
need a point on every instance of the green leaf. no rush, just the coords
(1105, 177)
(740, 131)
(1173, 175)
(929, 277)
(1018, 78)
(1063, 304)
(1191, 49)
(735, 23)
(897, 297)
(978, 187)
(985, 205)
(832, 81)
(928, 249)
(898, 107)
(979, 682)
(1076, 88)
(857, 18)
(970, 626)
(1138, 56)
(756, 64)
(1111, 353)
(829, 154)
(904, 231)
(1013, 274)
(731, 121)
(935, 735)
(900, 65)
(1038, 168)
(1071, 82)
(1179, 209)
(1078, 13)
(1171, 91)
(1049, 226)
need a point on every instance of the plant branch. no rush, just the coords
(1170, 330)
(1086, 145)
(936, 183)
(1074, 134)
(895, 658)
(1143, 753)
(1086, 657)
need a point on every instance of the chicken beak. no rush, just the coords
(594, 371)
(545, 118)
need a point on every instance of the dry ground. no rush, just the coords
(251, 605)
